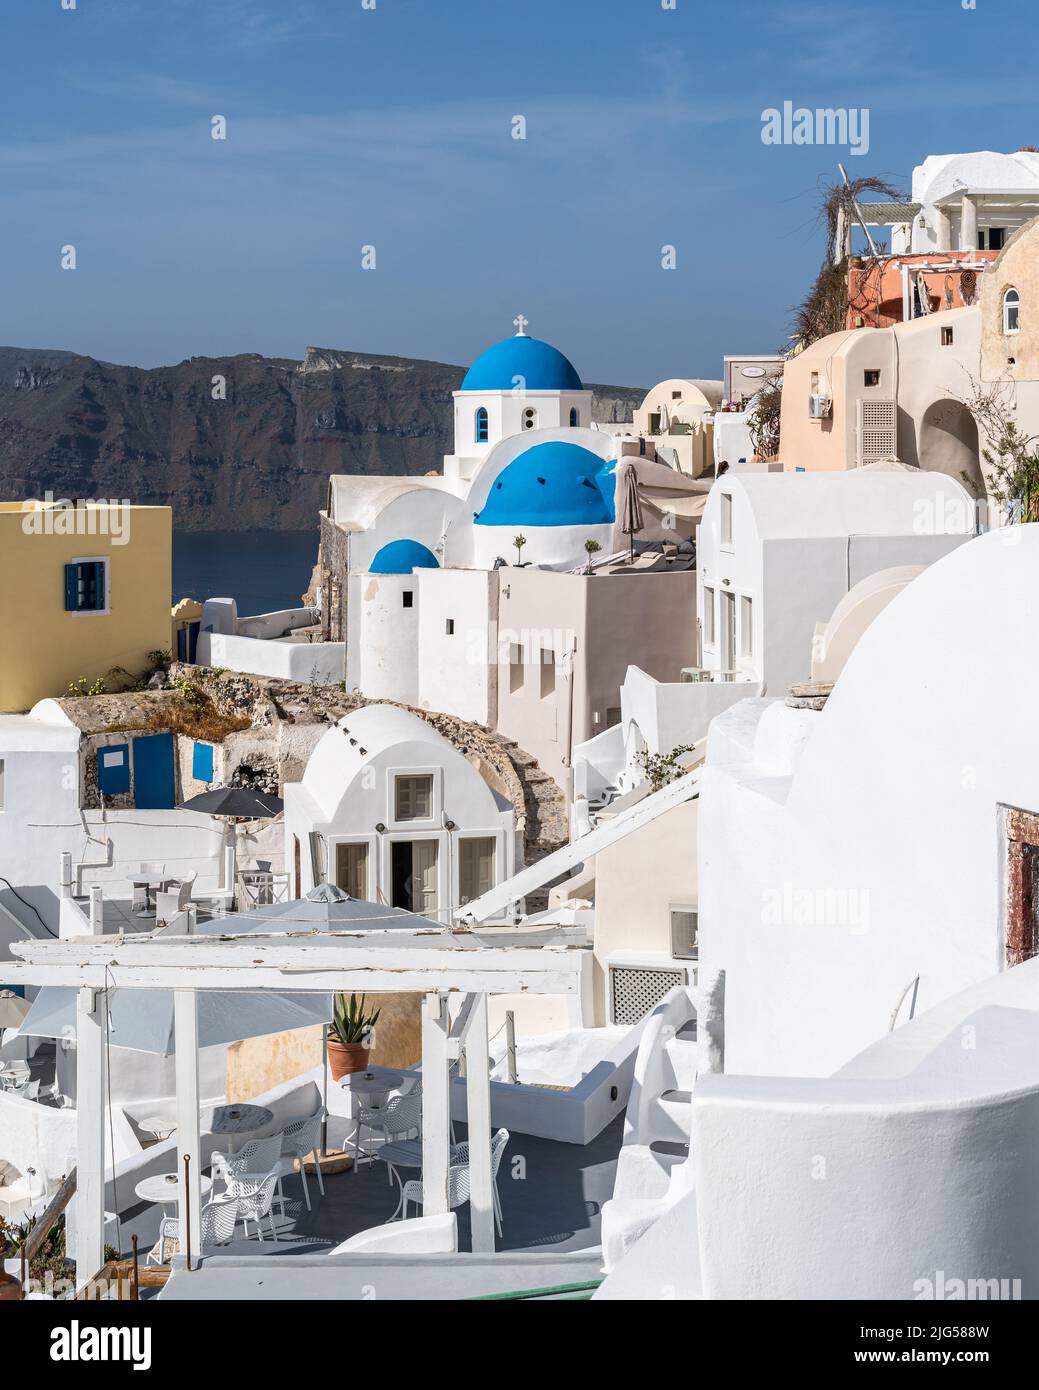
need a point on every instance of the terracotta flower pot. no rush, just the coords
(345, 1058)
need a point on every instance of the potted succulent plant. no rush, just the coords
(350, 1035)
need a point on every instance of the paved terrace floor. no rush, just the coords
(552, 1196)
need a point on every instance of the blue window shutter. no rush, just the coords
(71, 588)
(113, 769)
(202, 762)
(100, 597)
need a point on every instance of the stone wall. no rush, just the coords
(288, 718)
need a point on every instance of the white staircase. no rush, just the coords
(654, 1168)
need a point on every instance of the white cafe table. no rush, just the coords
(152, 884)
(163, 1188)
(237, 1121)
(372, 1088)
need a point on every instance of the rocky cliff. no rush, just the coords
(231, 443)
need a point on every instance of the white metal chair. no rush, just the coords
(219, 1218)
(458, 1192)
(254, 1194)
(173, 901)
(257, 1156)
(298, 1141)
(398, 1118)
(29, 1091)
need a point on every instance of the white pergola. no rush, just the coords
(439, 964)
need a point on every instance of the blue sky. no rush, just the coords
(348, 126)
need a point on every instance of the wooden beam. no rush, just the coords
(478, 1102)
(436, 1104)
(189, 1147)
(91, 1006)
(549, 977)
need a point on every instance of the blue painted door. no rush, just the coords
(154, 783)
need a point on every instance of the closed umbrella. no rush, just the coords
(631, 514)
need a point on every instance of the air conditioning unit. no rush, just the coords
(819, 407)
(684, 940)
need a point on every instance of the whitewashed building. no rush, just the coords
(390, 811)
(865, 861)
(777, 552)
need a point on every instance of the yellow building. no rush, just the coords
(83, 588)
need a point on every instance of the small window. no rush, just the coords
(815, 384)
(413, 797)
(113, 769)
(1011, 312)
(685, 933)
(676, 395)
(548, 673)
(202, 762)
(726, 518)
(996, 238)
(575, 419)
(407, 598)
(871, 378)
(449, 627)
(946, 337)
(482, 429)
(1, 785)
(515, 667)
(85, 587)
(613, 716)
(475, 867)
(530, 418)
(708, 617)
(746, 626)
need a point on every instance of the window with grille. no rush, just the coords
(413, 797)
(475, 866)
(877, 438)
(685, 933)
(635, 991)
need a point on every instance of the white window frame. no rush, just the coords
(332, 843)
(432, 822)
(501, 869)
(709, 617)
(725, 526)
(92, 560)
(1009, 332)
(745, 627)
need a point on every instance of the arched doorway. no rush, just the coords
(948, 442)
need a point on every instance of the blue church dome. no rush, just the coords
(542, 367)
(401, 557)
(553, 484)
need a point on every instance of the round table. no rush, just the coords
(235, 1120)
(164, 1188)
(372, 1087)
(151, 883)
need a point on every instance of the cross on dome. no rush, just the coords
(521, 324)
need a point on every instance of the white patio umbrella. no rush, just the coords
(13, 1009)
